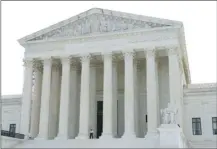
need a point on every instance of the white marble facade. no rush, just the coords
(127, 62)
(132, 65)
(67, 86)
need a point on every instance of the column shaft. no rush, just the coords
(151, 92)
(129, 95)
(73, 106)
(64, 100)
(115, 99)
(107, 97)
(35, 115)
(137, 125)
(84, 98)
(55, 100)
(45, 101)
(26, 99)
(93, 106)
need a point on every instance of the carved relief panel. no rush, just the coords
(97, 23)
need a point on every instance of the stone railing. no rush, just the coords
(11, 134)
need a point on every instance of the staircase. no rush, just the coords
(93, 143)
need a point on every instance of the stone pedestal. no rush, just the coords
(170, 136)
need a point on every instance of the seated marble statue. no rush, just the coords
(169, 114)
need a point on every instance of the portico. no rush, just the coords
(56, 94)
(101, 72)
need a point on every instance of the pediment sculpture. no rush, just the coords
(97, 23)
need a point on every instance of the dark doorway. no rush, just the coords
(99, 118)
(12, 130)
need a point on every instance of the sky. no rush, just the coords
(22, 18)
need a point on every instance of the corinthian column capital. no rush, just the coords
(56, 65)
(150, 53)
(129, 55)
(172, 51)
(85, 57)
(66, 60)
(27, 62)
(107, 55)
(38, 66)
(47, 61)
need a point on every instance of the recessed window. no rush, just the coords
(196, 126)
(214, 125)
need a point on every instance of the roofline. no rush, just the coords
(201, 86)
(108, 34)
(97, 11)
(185, 56)
(11, 96)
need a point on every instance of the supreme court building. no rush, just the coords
(109, 71)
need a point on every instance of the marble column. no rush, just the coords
(107, 97)
(137, 126)
(115, 99)
(84, 118)
(45, 100)
(175, 81)
(129, 96)
(78, 100)
(35, 114)
(93, 106)
(64, 100)
(151, 92)
(73, 106)
(26, 98)
(55, 99)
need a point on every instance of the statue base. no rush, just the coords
(170, 136)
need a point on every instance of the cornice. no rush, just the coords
(185, 56)
(11, 96)
(11, 99)
(200, 91)
(108, 36)
(211, 94)
(200, 86)
(15, 101)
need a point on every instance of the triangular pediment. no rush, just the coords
(97, 21)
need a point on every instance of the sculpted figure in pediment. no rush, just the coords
(114, 23)
(130, 24)
(94, 23)
(118, 24)
(124, 24)
(77, 29)
(110, 23)
(85, 26)
(103, 25)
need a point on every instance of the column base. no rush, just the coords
(61, 137)
(106, 136)
(82, 136)
(26, 137)
(129, 136)
(41, 138)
